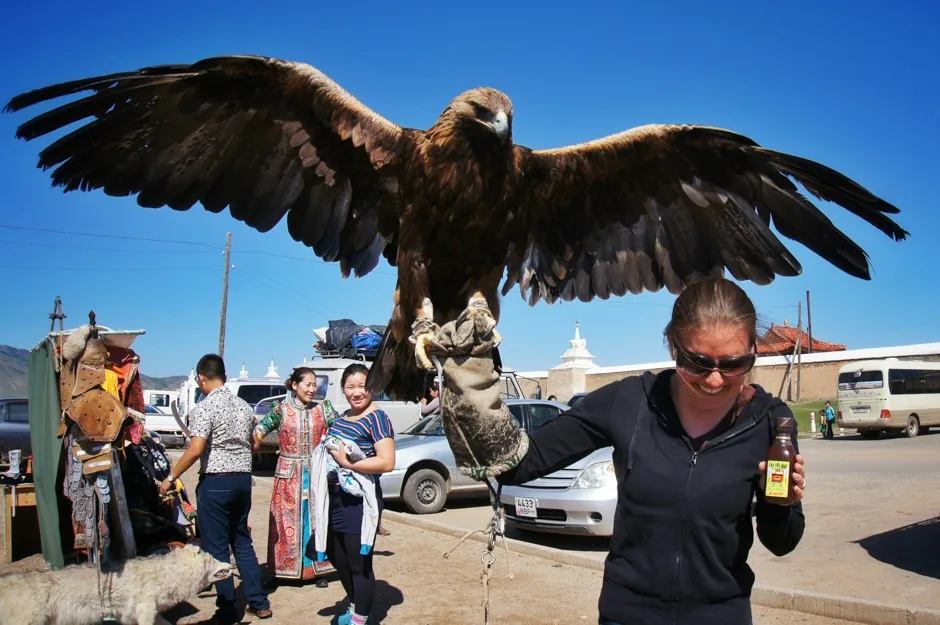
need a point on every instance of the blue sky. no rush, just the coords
(850, 84)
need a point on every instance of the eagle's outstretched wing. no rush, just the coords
(261, 136)
(663, 205)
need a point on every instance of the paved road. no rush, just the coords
(415, 585)
(873, 522)
(860, 489)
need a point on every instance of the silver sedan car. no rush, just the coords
(579, 499)
(425, 470)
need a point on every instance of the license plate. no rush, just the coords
(527, 507)
(860, 409)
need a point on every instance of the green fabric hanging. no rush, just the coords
(44, 420)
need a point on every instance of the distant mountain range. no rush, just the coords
(14, 365)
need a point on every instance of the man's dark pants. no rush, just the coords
(223, 502)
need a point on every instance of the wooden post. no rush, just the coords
(809, 326)
(784, 381)
(798, 346)
(228, 257)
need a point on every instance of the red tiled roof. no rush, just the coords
(782, 340)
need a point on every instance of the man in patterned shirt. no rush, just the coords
(221, 426)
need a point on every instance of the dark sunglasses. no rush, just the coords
(699, 365)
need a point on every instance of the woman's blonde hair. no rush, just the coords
(708, 303)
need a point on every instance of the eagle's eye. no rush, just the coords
(480, 111)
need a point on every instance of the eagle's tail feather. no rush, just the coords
(383, 367)
(395, 371)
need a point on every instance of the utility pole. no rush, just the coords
(228, 258)
(809, 326)
(799, 351)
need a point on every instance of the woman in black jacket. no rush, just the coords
(690, 445)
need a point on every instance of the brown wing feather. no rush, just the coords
(664, 205)
(260, 136)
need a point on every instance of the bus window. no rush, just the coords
(858, 380)
(913, 381)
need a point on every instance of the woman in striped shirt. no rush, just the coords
(370, 428)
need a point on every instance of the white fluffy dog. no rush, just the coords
(134, 592)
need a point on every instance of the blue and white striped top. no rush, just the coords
(365, 431)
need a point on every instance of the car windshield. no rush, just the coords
(253, 393)
(264, 406)
(575, 399)
(431, 425)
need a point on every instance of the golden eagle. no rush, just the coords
(452, 207)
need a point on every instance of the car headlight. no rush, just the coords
(597, 475)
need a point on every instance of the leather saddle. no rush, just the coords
(96, 412)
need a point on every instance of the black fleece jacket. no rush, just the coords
(682, 529)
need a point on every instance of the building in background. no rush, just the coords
(781, 341)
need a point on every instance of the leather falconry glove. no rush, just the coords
(479, 427)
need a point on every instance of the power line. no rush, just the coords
(282, 294)
(290, 289)
(110, 268)
(315, 261)
(109, 236)
(308, 299)
(106, 249)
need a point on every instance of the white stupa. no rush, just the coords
(577, 355)
(272, 371)
(243, 373)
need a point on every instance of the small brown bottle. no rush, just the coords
(778, 488)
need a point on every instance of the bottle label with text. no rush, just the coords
(778, 479)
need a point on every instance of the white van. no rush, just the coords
(261, 392)
(160, 399)
(251, 389)
(889, 394)
(158, 407)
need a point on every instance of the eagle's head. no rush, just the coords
(486, 111)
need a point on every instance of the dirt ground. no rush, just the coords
(417, 586)
(873, 523)
(871, 533)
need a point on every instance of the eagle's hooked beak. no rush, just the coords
(500, 125)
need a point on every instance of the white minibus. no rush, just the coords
(889, 394)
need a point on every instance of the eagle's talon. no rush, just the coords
(423, 333)
(421, 327)
(421, 355)
(478, 311)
